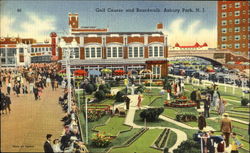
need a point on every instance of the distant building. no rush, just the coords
(98, 48)
(233, 26)
(196, 46)
(14, 52)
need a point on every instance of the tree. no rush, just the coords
(89, 88)
(100, 95)
(188, 146)
(120, 96)
(151, 114)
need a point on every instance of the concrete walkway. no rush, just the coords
(181, 136)
(233, 119)
(25, 128)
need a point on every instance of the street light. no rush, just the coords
(67, 48)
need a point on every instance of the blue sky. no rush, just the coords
(38, 18)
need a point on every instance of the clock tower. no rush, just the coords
(73, 20)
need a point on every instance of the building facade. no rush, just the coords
(233, 26)
(14, 51)
(96, 49)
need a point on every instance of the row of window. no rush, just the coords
(236, 13)
(115, 52)
(40, 49)
(236, 29)
(236, 5)
(236, 21)
(9, 61)
(236, 37)
(9, 51)
(236, 46)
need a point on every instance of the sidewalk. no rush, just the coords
(25, 128)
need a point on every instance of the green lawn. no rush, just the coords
(142, 144)
(240, 125)
(172, 139)
(242, 109)
(162, 123)
(114, 126)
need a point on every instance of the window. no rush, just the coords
(230, 37)
(156, 70)
(114, 51)
(119, 51)
(230, 29)
(244, 3)
(244, 37)
(237, 29)
(47, 49)
(230, 5)
(224, 22)
(2, 52)
(248, 28)
(243, 45)
(109, 52)
(223, 46)
(76, 52)
(224, 38)
(11, 51)
(224, 6)
(237, 13)
(237, 46)
(10, 60)
(161, 51)
(237, 37)
(99, 52)
(136, 52)
(92, 52)
(141, 52)
(230, 45)
(244, 20)
(87, 52)
(150, 51)
(224, 30)
(230, 13)
(237, 5)
(244, 12)
(237, 21)
(130, 52)
(3, 60)
(21, 50)
(32, 50)
(156, 51)
(243, 29)
(224, 14)
(230, 22)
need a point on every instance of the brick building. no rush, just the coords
(233, 26)
(98, 48)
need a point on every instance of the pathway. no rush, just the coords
(233, 119)
(25, 128)
(181, 136)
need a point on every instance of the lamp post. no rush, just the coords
(68, 53)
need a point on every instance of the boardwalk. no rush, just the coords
(25, 129)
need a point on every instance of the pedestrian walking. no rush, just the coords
(9, 88)
(35, 91)
(198, 98)
(226, 128)
(139, 101)
(127, 101)
(7, 102)
(221, 107)
(207, 105)
(201, 122)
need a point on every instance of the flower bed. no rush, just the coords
(180, 102)
(186, 117)
(101, 140)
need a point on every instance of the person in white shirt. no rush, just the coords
(56, 146)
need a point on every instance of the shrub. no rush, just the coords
(120, 96)
(244, 101)
(140, 89)
(100, 95)
(188, 146)
(89, 88)
(151, 114)
(186, 117)
(94, 115)
(101, 140)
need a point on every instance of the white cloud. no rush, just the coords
(188, 35)
(37, 27)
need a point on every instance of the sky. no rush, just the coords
(36, 19)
